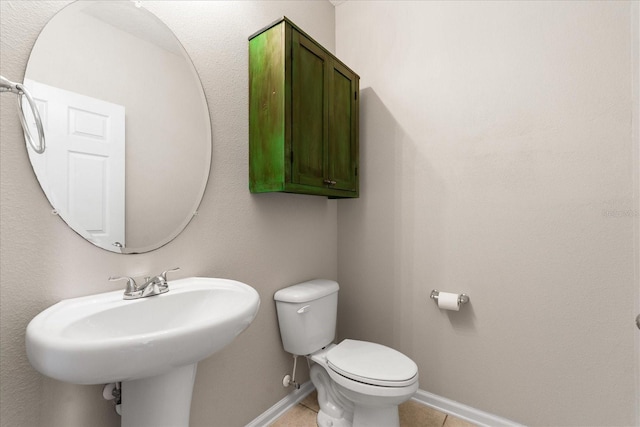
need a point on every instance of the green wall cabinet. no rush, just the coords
(303, 116)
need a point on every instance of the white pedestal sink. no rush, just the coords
(151, 345)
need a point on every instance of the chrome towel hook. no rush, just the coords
(20, 90)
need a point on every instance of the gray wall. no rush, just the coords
(268, 241)
(496, 144)
(496, 160)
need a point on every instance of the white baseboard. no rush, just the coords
(461, 411)
(286, 403)
(442, 404)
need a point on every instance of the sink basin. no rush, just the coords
(102, 338)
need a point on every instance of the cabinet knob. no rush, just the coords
(329, 182)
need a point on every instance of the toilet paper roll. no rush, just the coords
(448, 301)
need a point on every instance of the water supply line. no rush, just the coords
(19, 89)
(113, 391)
(291, 379)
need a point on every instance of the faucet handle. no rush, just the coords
(164, 273)
(131, 283)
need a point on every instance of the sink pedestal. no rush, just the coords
(163, 400)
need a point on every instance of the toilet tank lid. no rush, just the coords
(307, 291)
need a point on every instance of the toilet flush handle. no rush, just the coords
(304, 309)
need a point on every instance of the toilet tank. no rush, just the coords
(307, 315)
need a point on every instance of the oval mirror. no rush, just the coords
(126, 122)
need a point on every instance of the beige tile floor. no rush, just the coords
(412, 414)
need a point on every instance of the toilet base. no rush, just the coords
(325, 420)
(363, 417)
(336, 410)
(368, 416)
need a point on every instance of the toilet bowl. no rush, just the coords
(372, 378)
(359, 383)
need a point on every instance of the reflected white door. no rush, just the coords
(83, 168)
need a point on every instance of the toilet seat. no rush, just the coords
(372, 364)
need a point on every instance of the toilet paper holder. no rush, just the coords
(462, 298)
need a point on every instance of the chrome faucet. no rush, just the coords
(155, 285)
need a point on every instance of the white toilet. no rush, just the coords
(359, 383)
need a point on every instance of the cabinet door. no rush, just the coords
(310, 111)
(343, 128)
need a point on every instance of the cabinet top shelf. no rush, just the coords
(293, 25)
